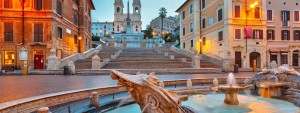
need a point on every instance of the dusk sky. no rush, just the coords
(150, 9)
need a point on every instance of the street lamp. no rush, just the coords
(79, 48)
(200, 44)
(246, 27)
(23, 19)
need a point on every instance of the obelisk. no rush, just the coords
(128, 26)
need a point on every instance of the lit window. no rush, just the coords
(9, 57)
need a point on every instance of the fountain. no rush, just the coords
(150, 97)
(231, 90)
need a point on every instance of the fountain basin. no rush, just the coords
(231, 93)
(214, 104)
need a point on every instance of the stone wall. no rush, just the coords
(34, 103)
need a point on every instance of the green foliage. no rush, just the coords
(148, 33)
(96, 38)
(169, 37)
(163, 12)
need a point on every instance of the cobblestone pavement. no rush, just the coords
(19, 87)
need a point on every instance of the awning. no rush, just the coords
(278, 48)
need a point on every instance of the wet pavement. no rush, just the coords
(19, 87)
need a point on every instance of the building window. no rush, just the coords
(38, 4)
(136, 9)
(75, 39)
(285, 35)
(192, 43)
(59, 33)
(257, 12)
(238, 34)
(184, 45)
(75, 19)
(271, 34)
(8, 4)
(183, 31)
(76, 1)
(86, 42)
(220, 36)
(203, 4)
(203, 23)
(297, 35)
(273, 57)
(38, 32)
(191, 27)
(220, 14)
(296, 16)
(270, 15)
(118, 9)
(183, 15)
(284, 58)
(204, 41)
(9, 57)
(257, 34)
(285, 17)
(8, 32)
(211, 21)
(59, 7)
(237, 11)
(191, 8)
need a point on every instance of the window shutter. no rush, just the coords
(282, 35)
(273, 34)
(288, 15)
(281, 15)
(288, 35)
(41, 33)
(39, 4)
(261, 34)
(254, 34)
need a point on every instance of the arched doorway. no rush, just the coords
(296, 58)
(255, 56)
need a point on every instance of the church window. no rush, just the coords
(136, 9)
(118, 9)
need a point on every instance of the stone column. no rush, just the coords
(53, 61)
(43, 110)
(196, 61)
(95, 100)
(96, 64)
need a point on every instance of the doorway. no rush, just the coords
(238, 58)
(296, 58)
(255, 56)
(38, 60)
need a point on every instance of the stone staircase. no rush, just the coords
(203, 63)
(142, 58)
(106, 52)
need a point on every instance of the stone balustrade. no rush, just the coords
(172, 57)
(55, 63)
(35, 103)
(166, 54)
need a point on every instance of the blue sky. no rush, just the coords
(105, 9)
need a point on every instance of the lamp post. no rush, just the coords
(247, 13)
(23, 52)
(79, 44)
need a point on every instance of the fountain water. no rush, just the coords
(231, 90)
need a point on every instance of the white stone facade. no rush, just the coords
(170, 25)
(102, 29)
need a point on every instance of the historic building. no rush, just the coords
(283, 32)
(120, 18)
(170, 24)
(58, 24)
(249, 31)
(102, 29)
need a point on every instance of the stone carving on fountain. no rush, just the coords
(282, 82)
(151, 98)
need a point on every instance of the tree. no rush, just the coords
(162, 14)
(148, 33)
(169, 37)
(96, 38)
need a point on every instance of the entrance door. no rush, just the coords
(38, 61)
(238, 58)
(255, 56)
(295, 59)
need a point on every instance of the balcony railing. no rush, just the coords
(285, 23)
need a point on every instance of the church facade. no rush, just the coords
(120, 18)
